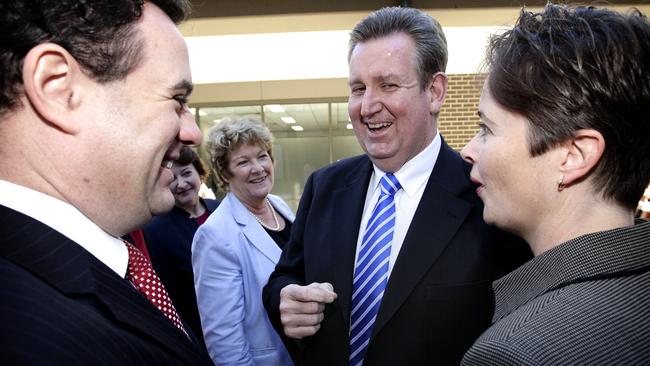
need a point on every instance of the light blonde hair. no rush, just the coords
(228, 135)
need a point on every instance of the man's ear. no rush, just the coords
(581, 154)
(51, 78)
(438, 88)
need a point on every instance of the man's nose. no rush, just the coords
(189, 133)
(370, 103)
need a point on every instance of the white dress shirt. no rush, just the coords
(69, 221)
(413, 177)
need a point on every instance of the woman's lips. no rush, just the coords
(258, 180)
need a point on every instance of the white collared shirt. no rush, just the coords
(69, 221)
(413, 177)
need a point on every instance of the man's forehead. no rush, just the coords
(166, 55)
(157, 27)
(378, 76)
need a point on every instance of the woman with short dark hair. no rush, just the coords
(561, 159)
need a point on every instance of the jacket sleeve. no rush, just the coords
(289, 270)
(219, 284)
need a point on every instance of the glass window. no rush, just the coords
(307, 137)
(301, 133)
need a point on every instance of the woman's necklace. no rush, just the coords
(275, 218)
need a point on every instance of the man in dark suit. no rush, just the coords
(93, 110)
(419, 293)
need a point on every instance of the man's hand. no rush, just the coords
(301, 308)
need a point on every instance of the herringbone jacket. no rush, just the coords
(585, 302)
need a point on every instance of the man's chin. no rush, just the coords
(163, 204)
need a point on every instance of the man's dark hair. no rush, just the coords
(99, 34)
(566, 69)
(426, 32)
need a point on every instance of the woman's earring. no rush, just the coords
(560, 184)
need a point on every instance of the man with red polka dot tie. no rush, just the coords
(144, 278)
(93, 112)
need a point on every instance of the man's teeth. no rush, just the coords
(168, 164)
(374, 126)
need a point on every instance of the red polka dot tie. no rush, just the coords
(141, 274)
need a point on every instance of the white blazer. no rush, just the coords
(232, 258)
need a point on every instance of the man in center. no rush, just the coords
(389, 261)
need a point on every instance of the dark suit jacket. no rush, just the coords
(438, 299)
(169, 240)
(59, 305)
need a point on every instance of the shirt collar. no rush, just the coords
(415, 172)
(69, 221)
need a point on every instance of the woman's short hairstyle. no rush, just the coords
(426, 32)
(571, 68)
(230, 134)
(187, 157)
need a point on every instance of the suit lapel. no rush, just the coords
(134, 311)
(437, 218)
(348, 201)
(253, 231)
(68, 267)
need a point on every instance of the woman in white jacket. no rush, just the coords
(237, 248)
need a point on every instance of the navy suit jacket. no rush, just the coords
(59, 305)
(439, 297)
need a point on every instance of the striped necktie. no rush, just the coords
(371, 273)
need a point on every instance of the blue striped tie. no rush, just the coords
(371, 273)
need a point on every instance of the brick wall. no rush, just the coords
(458, 121)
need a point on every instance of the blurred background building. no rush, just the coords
(285, 61)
